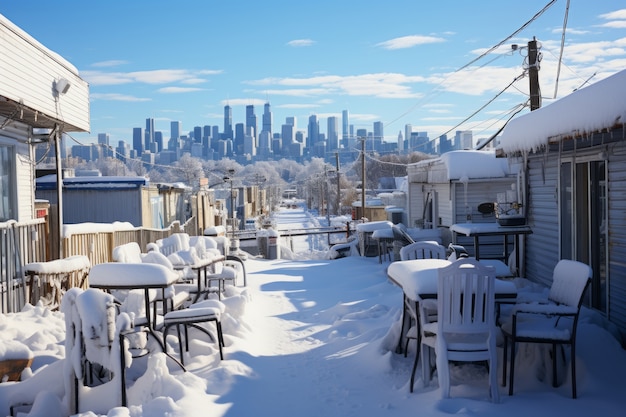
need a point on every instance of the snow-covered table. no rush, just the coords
(477, 230)
(48, 281)
(418, 280)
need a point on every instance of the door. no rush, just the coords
(583, 222)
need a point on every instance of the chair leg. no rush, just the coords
(573, 359)
(512, 364)
(554, 376)
(504, 360)
(417, 355)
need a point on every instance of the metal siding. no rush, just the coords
(101, 206)
(416, 203)
(480, 191)
(617, 234)
(542, 246)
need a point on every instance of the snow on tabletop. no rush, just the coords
(371, 226)
(128, 275)
(14, 349)
(590, 109)
(59, 266)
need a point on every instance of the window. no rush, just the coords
(7, 183)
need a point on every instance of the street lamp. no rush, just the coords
(229, 178)
(326, 172)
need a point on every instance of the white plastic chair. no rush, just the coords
(465, 330)
(552, 321)
(419, 250)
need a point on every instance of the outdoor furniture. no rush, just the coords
(194, 316)
(478, 230)
(48, 281)
(143, 277)
(418, 280)
(552, 321)
(385, 238)
(419, 250)
(465, 330)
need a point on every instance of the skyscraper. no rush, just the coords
(332, 134)
(138, 140)
(251, 125)
(228, 122)
(345, 128)
(313, 131)
(267, 119)
(175, 130)
(149, 134)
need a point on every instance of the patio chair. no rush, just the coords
(193, 316)
(464, 331)
(552, 321)
(419, 250)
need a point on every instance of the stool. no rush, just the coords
(193, 317)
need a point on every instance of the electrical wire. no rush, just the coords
(558, 69)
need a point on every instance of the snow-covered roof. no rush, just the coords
(599, 106)
(469, 164)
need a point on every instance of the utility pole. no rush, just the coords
(363, 177)
(338, 206)
(533, 74)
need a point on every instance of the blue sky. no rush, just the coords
(399, 62)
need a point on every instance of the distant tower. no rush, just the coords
(251, 126)
(175, 129)
(103, 139)
(345, 128)
(228, 122)
(267, 119)
(313, 131)
(332, 133)
(138, 140)
(149, 134)
(400, 142)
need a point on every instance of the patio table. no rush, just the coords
(146, 277)
(478, 230)
(418, 280)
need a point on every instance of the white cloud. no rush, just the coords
(176, 90)
(159, 76)
(617, 14)
(615, 24)
(298, 43)
(111, 63)
(409, 41)
(117, 97)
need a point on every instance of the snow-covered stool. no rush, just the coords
(193, 317)
(221, 276)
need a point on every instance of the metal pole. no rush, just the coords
(57, 150)
(338, 207)
(362, 177)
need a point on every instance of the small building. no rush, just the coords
(454, 188)
(573, 158)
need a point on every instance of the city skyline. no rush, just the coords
(399, 63)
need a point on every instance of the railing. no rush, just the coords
(20, 243)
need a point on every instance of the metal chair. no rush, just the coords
(553, 321)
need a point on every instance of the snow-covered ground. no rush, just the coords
(316, 337)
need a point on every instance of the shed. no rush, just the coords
(573, 156)
(449, 189)
(106, 199)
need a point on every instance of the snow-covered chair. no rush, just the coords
(95, 346)
(419, 250)
(194, 316)
(465, 330)
(551, 321)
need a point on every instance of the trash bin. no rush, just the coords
(273, 245)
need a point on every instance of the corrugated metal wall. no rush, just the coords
(542, 249)
(466, 204)
(617, 234)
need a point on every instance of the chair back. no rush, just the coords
(465, 298)
(422, 250)
(569, 281)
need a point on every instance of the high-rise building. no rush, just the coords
(400, 142)
(138, 140)
(345, 128)
(251, 125)
(332, 133)
(175, 132)
(228, 122)
(287, 135)
(291, 120)
(267, 119)
(149, 134)
(463, 139)
(313, 131)
(103, 139)
(197, 134)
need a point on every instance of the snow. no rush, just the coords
(588, 110)
(463, 165)
(311, 336)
